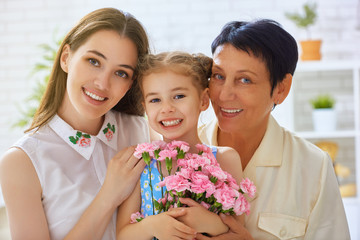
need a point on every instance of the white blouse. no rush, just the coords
(297, 193)
(71, 165)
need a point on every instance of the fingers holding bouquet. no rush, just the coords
(168, 227)
(122, 175)
(199, 184)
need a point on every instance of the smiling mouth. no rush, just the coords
(231, 110)
(171, 123)
(94, 96)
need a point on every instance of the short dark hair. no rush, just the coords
(265, 39)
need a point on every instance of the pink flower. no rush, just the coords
(203, 148)
(226, 196)
(241, 205)
(136, 217)
(201, 183)
(179, 144)
(216, 171)
(185, 172)
(144, 147)
(231, 181)
(171, 154)
(212, 158)
(177, 183)
(109, 135)
(84, 142)
(159, 144)
(195, 161)
(247, 186)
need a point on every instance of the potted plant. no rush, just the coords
(41, 69)
(324, 115)
(310, 48)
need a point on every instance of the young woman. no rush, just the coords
(174, 89)
(66, 177)
(297, 192)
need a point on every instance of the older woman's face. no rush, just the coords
(240, 90)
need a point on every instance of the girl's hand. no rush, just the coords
(122, 175)
(201, 219)
(166, 226)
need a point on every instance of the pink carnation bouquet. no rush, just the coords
(198, 176)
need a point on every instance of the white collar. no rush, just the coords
(85, 143)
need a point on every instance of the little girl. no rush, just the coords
(174, 87)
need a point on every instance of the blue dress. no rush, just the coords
(146, 203)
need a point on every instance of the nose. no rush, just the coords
(103, 80)
(227, 92)
(167, 107)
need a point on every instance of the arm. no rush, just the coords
(162, 226)
(122, 174)
(22, 194)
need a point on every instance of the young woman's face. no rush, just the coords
(240, 90)
(173, 105)
(100, 72)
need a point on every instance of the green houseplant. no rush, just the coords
(310, 48)
(324, 114)
(323, 101)
(41, 73)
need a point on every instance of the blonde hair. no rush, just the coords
(106, 18)
(197, 66)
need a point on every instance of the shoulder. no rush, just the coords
(133, 128)
(230, 161)
(227, 154)
(301, 147)
(124, 119)
(13, 164)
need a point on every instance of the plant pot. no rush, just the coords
(310, 50)
(324, 119)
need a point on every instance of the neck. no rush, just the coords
(244, 142)
(81, 123)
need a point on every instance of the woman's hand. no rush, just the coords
(236, 231)
(123, 172)
(201, 219)
(166, 226)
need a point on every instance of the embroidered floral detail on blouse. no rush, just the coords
(83, 140)
(109, 131)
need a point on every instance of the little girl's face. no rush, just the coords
(173, 105)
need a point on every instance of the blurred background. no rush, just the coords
(31, 29)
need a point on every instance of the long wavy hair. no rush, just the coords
(109, 19)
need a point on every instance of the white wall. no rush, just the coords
(172, 25)
(184, 25)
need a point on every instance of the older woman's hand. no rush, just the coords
(236, 231)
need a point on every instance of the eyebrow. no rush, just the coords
(238, 71)
(172, 90)
(103, 56)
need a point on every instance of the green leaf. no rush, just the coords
(146, 158)
(41, 69)
(323, 101)
(78, 134)
(168, 162)
(73, 140)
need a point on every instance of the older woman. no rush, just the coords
(297, 192)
